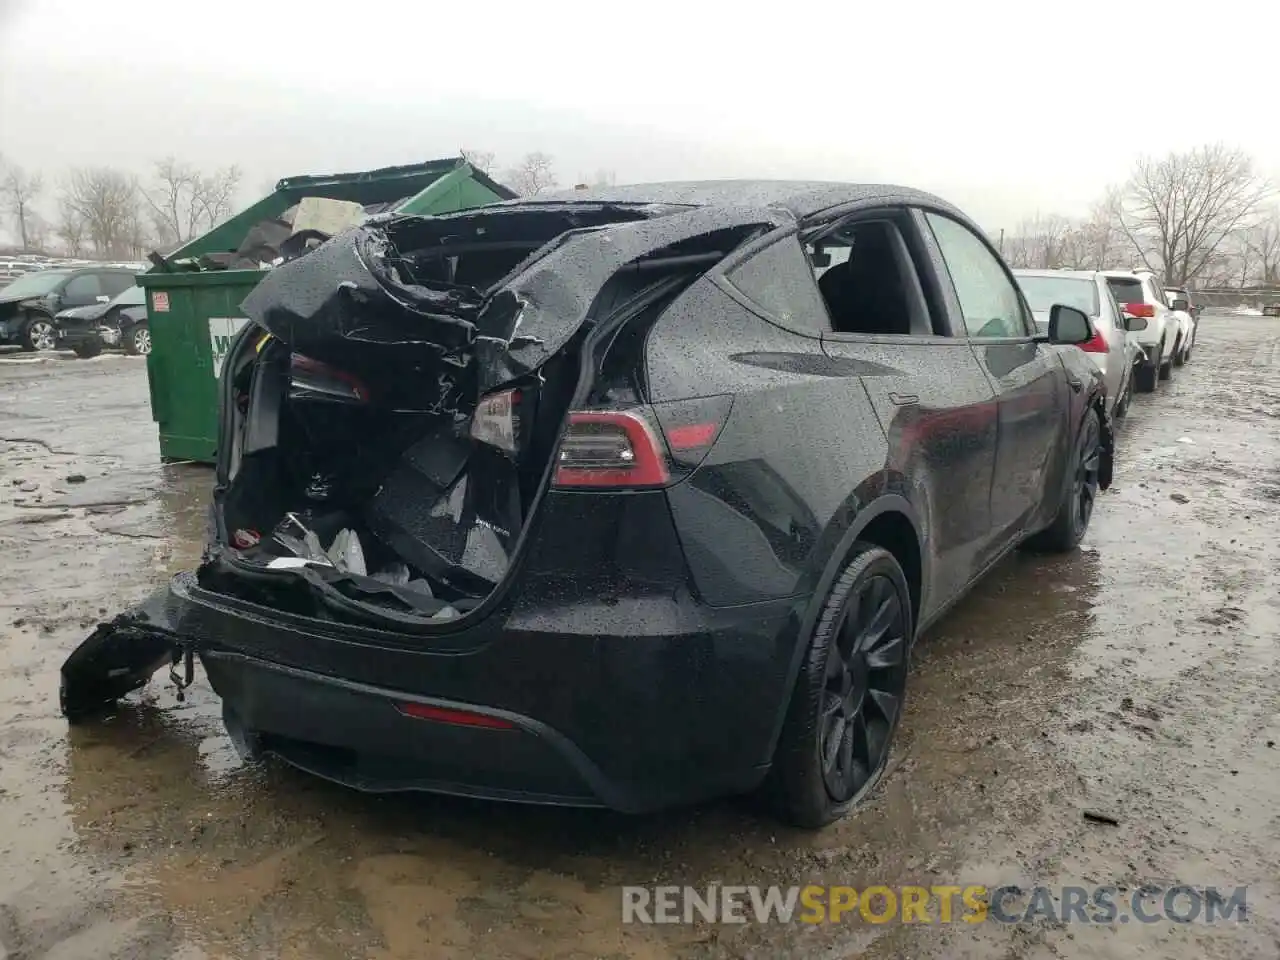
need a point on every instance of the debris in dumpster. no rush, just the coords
(322, 215)
(261, 244)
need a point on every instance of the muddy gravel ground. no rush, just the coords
(1138, 678)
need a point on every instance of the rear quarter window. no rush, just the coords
(779, 280)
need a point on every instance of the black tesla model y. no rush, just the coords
(625, 498)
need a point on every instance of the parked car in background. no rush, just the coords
(1180, 303)
(1111, 347)
(29, 304)
(673, 534)
(1182, 293)
(121, 321)
(1140, 296)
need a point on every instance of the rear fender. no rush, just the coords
(120, 656)
(836, 560)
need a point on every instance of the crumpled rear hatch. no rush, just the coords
(391, 415)
(396, 415)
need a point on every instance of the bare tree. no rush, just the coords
(106, 202)
(37, 232)
(19, 190)
(184, 203)
(1263, 240)
(1177, 212)
(533, 175)
(1042, 243)
(481, 160)
(70, 229)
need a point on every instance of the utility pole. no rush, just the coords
(1002, 241)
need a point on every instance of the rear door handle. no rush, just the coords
(1076, 384)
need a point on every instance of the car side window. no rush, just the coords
(779, 280)
(1160, 296)
(84, 287)
(988, 298)
(114, 284)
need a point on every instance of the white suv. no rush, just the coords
(1140, 294)
(1180, 304)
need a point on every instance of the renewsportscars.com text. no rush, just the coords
(970, 904)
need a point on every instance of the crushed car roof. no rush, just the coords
(801, 197)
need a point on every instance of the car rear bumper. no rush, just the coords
(578, 705)
(361, 737)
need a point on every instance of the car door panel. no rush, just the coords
(938, 411)
(1029, 380)
(939, 414)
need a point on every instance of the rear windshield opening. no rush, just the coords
(1126, 290)
(1043, 293)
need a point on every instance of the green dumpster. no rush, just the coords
(193, 314)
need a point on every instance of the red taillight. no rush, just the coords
(1095, 344)
(625, 448)
(1140, 310)
(610, 449)
(459, 718)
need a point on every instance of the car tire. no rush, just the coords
(848, 697)
(1071, 522)
(1179, 354)
(1122, 405)
(87, 349)
(1166, 369)
(137, 340)
(1146, 375)
(38, 334)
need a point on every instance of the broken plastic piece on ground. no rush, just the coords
(119, 656)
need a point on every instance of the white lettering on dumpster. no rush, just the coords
(222, 330)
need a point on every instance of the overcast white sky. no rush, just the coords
(1004, 108)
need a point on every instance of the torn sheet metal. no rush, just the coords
(358, 290)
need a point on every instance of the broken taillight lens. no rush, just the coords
(497, 421)
(622, 449)
(315, 377)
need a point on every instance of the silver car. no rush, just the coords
(1114, 349)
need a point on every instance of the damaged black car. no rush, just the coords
(624, 498)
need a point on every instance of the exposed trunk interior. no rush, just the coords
(372, 473)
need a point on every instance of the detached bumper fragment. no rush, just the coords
(121, 655)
